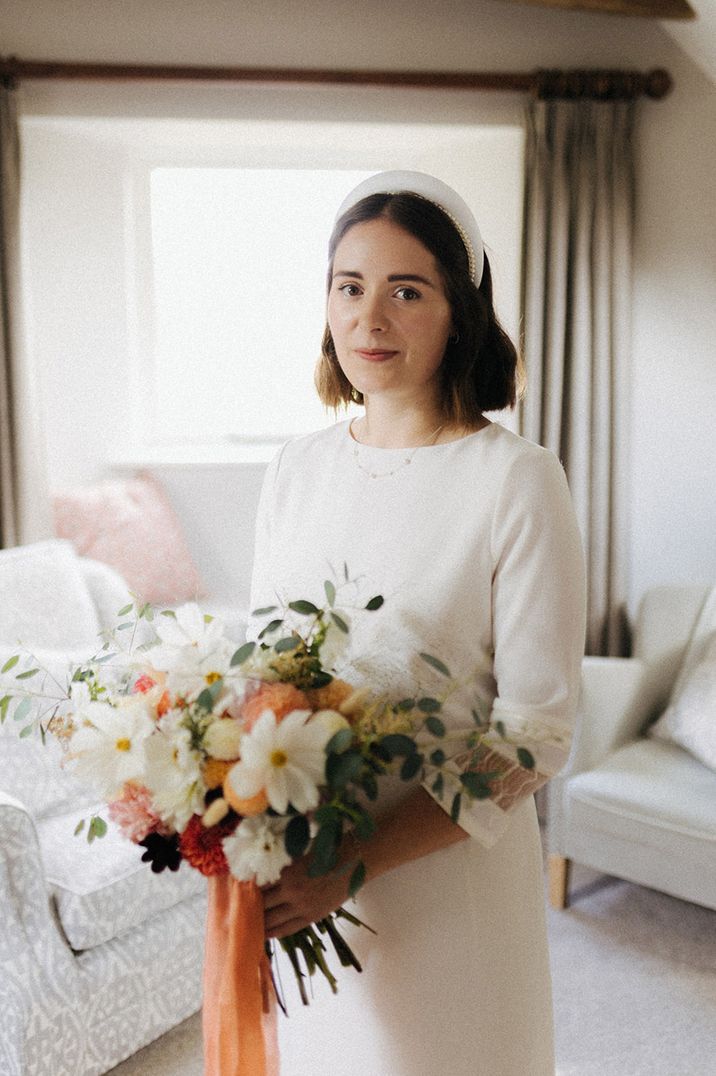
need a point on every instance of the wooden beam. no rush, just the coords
(648, 9)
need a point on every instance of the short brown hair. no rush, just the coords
(480, 365)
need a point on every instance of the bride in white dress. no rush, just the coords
(468, 532)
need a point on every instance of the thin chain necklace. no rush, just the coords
(403, 463)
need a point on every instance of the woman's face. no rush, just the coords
(388, 312)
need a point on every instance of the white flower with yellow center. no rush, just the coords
(192, 650)
(256, 850)
(173, 775)
(285, 758)
(108, 747)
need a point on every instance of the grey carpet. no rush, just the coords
(634, 976)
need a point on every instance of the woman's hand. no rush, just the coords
(297, 900)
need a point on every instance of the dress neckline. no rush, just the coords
(415, 449)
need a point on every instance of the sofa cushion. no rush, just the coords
(651, 787)
(131, 525)
(103, 889)
(45, 600)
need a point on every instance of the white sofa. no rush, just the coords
(627, 804)
(98, 955)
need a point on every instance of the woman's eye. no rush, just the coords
(410, 294)
(349, 289)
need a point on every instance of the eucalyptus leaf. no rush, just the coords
(411, 766)
(289, 642)
(340, 769)
(501, 730)
(326, 813)
(126, 609)
(265, 611)
(126, 626)
(325, 849)
(370, 786)
(304, 607)
(97, 828)
(476, 785)
(4, 703)
(526, 758)
(330, 590)
(340, 741)
(429, 706)
(364, 826)
(244, 652)
(25, 732)
(406, 704)
(206, 699)
(476, 718)
(398, 744)
(456, 805)
(437, 757)
(345, 572)
(22, 710)
(438, 785)
(10, 663)
(27, 675)
(436, 664)
(272, 626)
(340, 623)
(79, 827)
(375, 603)
(435, 726)
(106, 657)
(169, 613)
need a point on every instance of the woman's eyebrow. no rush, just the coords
(413, 278)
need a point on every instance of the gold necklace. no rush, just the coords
(403, 463)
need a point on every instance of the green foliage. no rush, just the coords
(375, 603)
(476, 785)
(340, 623)
(525, 758)
(272, 626)
(404, 705)
(325, 848)
(297, 836)
(209, 695)
(79, 827)
(411, 766)
(289, 642)
(340, 769)
(501, 730)
(27, 731)
(397, 744)
(244, 652)
(265, 611)
(304, 608)
(438, 785)
(429, 706)
(435, 726)
(10, 663)
(27, 675)
(456, 805)
(437, 757)
(22, 709)
(97, 828)
(126, 609)
(436, 664)
(370, 786)
(330, 590)
(340, 741)
(357, 879)
(4, 703)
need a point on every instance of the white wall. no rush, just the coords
(672, 440)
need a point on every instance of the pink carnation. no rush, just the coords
(133, 813)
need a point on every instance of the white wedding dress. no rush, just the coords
(474, 546)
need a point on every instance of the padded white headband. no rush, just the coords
(434, 190)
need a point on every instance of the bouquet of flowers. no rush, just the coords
(240, 760)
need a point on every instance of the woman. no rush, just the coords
(468, 532)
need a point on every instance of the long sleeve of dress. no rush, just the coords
(538, 638)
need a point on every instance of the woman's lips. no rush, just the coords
(375, 354)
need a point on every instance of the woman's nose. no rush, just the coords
(374, 314)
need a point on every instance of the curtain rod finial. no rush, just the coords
(658, 83)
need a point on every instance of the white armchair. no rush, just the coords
(98, 955)
(628, 805)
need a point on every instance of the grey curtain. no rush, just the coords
(24, 499)
(576, 284)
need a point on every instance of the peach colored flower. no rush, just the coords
(133, 813)
(280, 699)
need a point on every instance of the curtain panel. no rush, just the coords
(24, 499)
(575, 311)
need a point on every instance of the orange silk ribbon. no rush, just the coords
(239, 1016)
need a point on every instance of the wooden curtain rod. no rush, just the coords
(597, 84)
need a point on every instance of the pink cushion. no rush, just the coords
(130, 525)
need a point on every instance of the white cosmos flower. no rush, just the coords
(108, 747)
(193, 651)
(172, 773)
(286, 758)
(256, 850)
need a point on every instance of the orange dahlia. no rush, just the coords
(280, 698)
(329, 697)
(214, 770)
(201, 846)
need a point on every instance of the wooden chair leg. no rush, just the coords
(559, 870)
